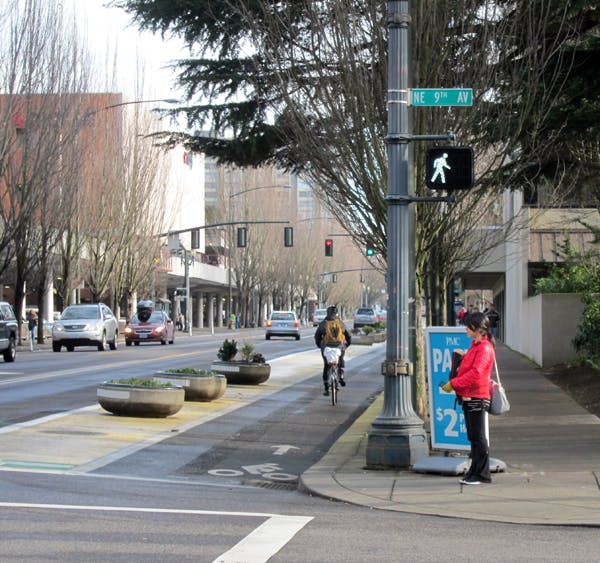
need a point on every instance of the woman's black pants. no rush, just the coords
(475, 411)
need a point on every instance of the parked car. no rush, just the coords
(158, 328)
(364, 316)
(89, 324)
(318, 316)
(283, 323)
(382, 316)
(8, 332)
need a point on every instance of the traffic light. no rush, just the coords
(195, 239)
(288, 236)
(449, 168)
(362, 278)
(370, 251)
(241, 237)
(328, 247)
(334, 278)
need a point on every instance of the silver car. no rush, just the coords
(89, 324)
(364, 316)
(318, 316)
(283, 323)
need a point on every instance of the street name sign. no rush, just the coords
(441, 96)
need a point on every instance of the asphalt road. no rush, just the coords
(222, 489)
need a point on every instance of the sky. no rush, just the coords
(115, 42)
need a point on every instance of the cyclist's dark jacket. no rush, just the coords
(320, 333)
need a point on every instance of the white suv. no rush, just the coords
(89, 324)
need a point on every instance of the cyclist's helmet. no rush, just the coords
(332, 311)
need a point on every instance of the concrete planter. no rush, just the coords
(136, 400)
(242, 373)
(379, 336)
(362, 339)
(201, 387)
(368, 339)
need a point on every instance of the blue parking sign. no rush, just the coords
(448, 430)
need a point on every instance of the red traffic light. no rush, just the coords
(328, 247)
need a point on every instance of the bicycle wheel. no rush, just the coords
(333, 384)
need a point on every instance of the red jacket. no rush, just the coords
(473, 379)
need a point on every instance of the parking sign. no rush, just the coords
(447, 420)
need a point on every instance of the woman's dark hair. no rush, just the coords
(479, 321)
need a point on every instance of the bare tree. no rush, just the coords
(42, 65)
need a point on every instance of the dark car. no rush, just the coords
(158, 328)
(8, 332)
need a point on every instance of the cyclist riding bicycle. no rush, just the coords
(332, 332)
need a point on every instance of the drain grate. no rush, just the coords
(273, 485)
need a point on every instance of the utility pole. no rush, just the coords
(397, 437)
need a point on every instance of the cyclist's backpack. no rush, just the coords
(334, 332)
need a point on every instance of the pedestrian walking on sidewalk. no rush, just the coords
(31, 324)
(472, 384)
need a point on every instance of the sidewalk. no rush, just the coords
(551, 447)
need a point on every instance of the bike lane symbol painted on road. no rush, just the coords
(271, 471)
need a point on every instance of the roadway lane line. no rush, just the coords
(257, 547)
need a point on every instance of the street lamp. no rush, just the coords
(229, 269)
(164, 100)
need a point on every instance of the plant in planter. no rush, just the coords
(198, 384)
(140, 397)
(367, 329)
(247, 351)
(228, 350)
(252, 369)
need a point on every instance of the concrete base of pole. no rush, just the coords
(388, 449)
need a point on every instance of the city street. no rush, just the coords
(217, 483)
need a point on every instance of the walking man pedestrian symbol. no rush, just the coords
(438, 165)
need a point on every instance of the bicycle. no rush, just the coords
(332, 355)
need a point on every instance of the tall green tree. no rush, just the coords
(302, 84)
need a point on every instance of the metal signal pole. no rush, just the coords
(397, 437)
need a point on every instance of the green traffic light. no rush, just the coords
(370, 251)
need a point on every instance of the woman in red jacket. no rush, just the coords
(472, 383)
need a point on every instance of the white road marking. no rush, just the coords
(257, 547)
(282, 450)
(265, 541)
(44, 419)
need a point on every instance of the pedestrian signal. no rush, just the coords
(328, 247)
(449, 168)
(288, 236)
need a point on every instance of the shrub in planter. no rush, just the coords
(247, 351)
(140, 397)
(199, 384)
(251, 370)
(367, 329)
(228, 350)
